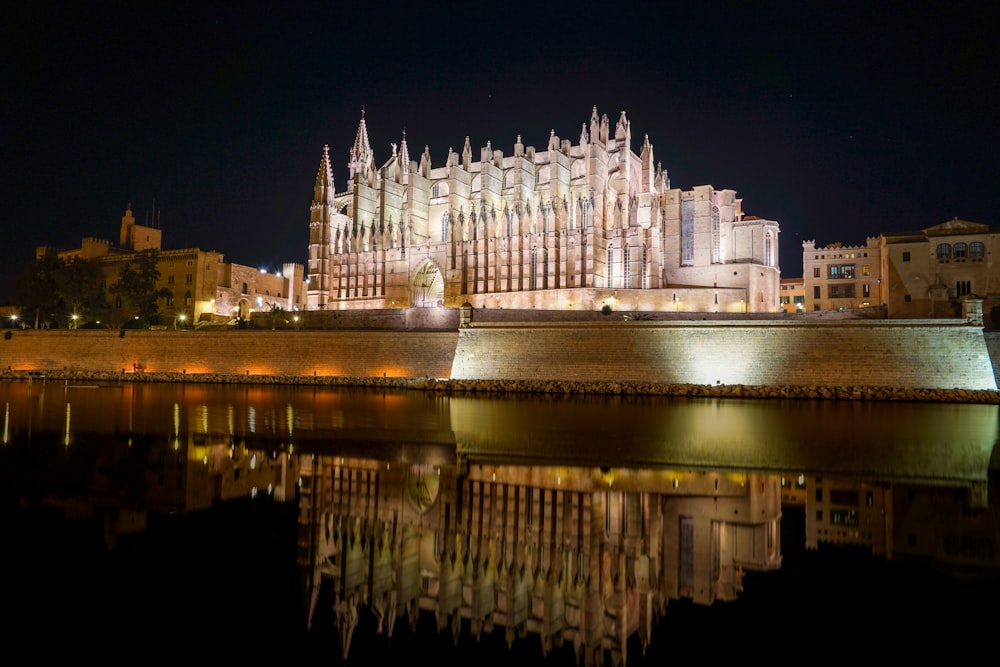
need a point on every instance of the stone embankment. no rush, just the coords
(851, 393)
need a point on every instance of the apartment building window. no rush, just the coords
(944, 252)
(841, 291)
(866, 290)
(798, 299)
(906, 298)
(866, 270)
(841, 271)
(170, 279)
(187, 298)
(976, 253)
(816, 272)
(844, 497)
(906, 256)
(188, 279)
(961, 251)
(816, 292)
(844, 517)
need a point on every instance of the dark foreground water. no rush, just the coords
(216, 572)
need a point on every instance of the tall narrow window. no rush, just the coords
(533, 279)
(614, 270)
(976, 251)
(716, 253)
(687, 233)
(627, 268)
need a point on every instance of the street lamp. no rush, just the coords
(73, 320)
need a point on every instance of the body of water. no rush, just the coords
(382, 526)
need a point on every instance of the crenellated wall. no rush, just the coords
(907, 354)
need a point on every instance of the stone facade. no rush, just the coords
(921, 274)
(572, 226)
(203, 287)
(928, 273)
(836, 276)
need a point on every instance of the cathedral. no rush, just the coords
(585, 226)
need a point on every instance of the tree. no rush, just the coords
(52, 290)
(80, 292)
(277, 315)
(35, 289)
(137, 287)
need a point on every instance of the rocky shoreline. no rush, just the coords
(851, 393)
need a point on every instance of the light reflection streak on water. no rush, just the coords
(177, 426)
(66, 435)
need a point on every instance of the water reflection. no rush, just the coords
(573, 526)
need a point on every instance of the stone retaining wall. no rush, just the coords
(932, 360)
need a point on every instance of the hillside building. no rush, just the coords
(571, 226)
(203, 287)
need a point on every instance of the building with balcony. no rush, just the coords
(839, 277)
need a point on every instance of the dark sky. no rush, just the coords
(839, 120)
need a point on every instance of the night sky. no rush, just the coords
(839, 120)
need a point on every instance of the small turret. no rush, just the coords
(324, 190)
(362, 159)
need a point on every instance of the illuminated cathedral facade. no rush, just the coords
(573, 226)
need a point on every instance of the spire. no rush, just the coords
(404, 154)
(467, 155)
(425, 162)
(361, 152)
(621, 128)
(324, 190)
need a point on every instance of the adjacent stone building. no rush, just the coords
(839, 277)
(923, 274)
(928, 273)
(203, 287)
(571, 226)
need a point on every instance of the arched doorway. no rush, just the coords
(428, 286)
(242, 310)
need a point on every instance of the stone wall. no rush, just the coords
(289, 353)
(900, 353)
(889, 354)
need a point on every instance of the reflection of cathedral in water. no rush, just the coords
(583, 556)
